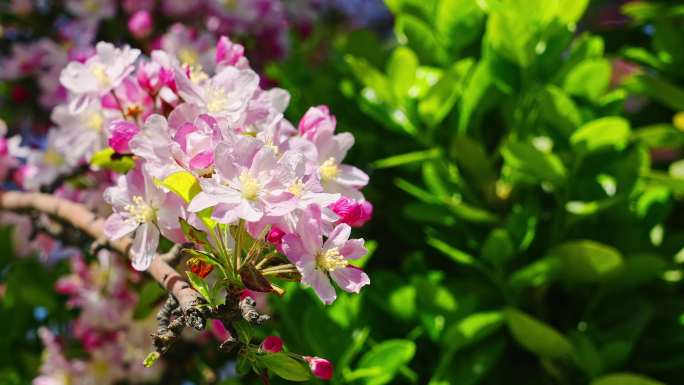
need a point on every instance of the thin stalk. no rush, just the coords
(237, 255)
(278, 268)
(266, 258)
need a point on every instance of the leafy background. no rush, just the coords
(527, 193)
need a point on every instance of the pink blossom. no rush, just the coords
(320, 367)
(230, 54)
(140, 206)
(100, 73)
(140, 24)
(248, 184)
(121, 132)
(272, 344)
(315, 120)
(352, 212)
(320, 261)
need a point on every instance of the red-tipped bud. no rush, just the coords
(199, 267)
(272, 344)
(320, 367)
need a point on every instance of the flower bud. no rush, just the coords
(140, 24)
(121, 132)
(317, 120)
(352, 212)
(275, 235)
(320, 367)
(199, 267)
(230, 54)
(272, 344)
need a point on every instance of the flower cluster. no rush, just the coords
(115, 342)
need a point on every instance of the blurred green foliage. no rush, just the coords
(527, 228)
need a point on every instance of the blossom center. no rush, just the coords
(249, 186)
(98, 70)
(216, 100)
(330, 260)
(53, 157)
(188, 56)
(95, 121)
(329, 170)
(140, 210)
(296, 188)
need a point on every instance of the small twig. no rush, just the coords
(59, 181)
(171, 255)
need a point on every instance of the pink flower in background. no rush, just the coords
(100, 73)
(140, 24)
(230, 54)
(319, 261)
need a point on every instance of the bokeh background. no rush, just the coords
(525, 175)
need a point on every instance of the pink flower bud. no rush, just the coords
(320, 367)
(121, 133)
(229, 53)
(218, 329)
(275, 235)
(272, 344)
(354, 213)
(317, 120)
(140, 24)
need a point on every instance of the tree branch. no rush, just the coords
(78, 216)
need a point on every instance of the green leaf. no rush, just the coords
(588, 261)
(538, 273)
(441, 97)
(194, 235)
(183, 184)
(586, 355)
(469, 367)
(637, 270)
(285, 366)
(525, 158)
(458, 22)
(658, 89)
(401, 71)
(608, 132)
(452, 252)
(244, 330)
(588, 79)
(371, 78)
(498, 248)
(200, 285)
(473, 160)
(420, 37)
(625, 379)
(559, 110)
(536, 336)
(109, 159)
(385, 359)
(150, 293)
(473, 328)
(408, 158)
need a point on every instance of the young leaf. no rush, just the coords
(525, 158)
(536, 336)
(589, 79)
(109, 159)
(253, 280)
(285, 366)
(588, 261)
(608, 132)
(183, 184)
(194, 235)
(200, 285)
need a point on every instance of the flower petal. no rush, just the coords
(144, 246)
(350, 279)
(119, 225)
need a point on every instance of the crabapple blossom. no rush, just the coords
(142, 207)
(319, 261)
(320, 367)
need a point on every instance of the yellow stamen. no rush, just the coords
(140, 210)
(329, 170)
(249, 186)
(296, 188)
(216, 100)
(330, 260)
(95, 121)
(98, 70)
